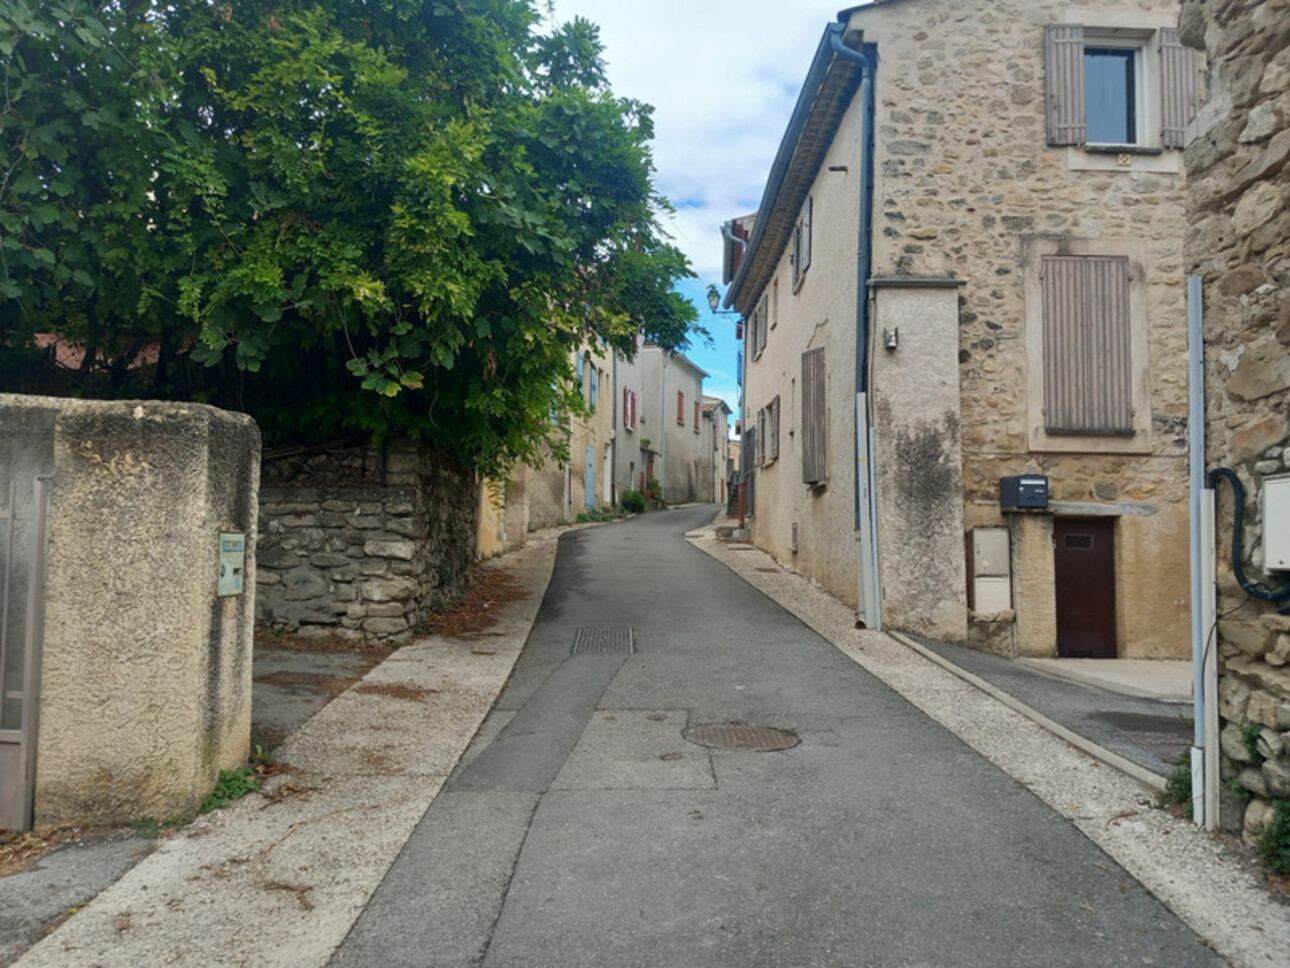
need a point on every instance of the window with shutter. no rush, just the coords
(761, 437)
(1088, 376)
(592, 401)
(696, 416)
(801, 258)
(772, 431)
(680, 407)
(813, 417)
(763, 314)
(1119, 88)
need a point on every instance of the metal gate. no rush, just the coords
(23, 520)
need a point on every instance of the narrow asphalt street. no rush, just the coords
(583, 829)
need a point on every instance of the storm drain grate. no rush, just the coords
(603, 640)
(740, 736)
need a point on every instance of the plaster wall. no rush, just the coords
(915, 391)
(964, 183)
(145, 690)
(821, 312)
(629, 461)
(503, 514)
(678, 450)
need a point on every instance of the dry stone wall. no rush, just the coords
(366, 561)
(1238, 165)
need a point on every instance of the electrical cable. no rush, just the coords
(1251, 588)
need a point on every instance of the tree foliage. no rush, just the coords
(398, 215)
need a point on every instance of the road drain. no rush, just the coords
(603, 640)
(739, 736)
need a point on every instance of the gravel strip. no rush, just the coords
(1189, 871)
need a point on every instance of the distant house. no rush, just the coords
(659, 428)
(716, 434)
(967, 266)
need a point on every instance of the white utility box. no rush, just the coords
(1276, 523)
(991, 571)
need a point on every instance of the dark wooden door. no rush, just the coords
(1085, 579)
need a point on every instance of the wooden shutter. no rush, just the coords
(747, 457)
(813, 435)
(772, 429)
(761, 436)
(1088, 378)
(680, 407)
(696, 416)
(1064, 83)
(807, 213)
(763, 313)
(593, 385)
(1179, 87)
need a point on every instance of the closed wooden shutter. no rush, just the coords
(748, 456)
(772, 429)
(807, 214)
(696, 416)
(1179, 87)
(761, 436)
(813, 409)
(1088, 377)
(763, 323)
(680, 408)
(1064, 83)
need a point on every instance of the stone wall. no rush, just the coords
(367, 560)
(1238, 164)
(967, 188)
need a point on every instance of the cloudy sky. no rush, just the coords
(723, 76)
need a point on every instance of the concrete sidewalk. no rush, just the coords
(1190, 871)
(280, 880)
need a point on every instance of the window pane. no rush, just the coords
(1110, 97)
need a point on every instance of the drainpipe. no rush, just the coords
(864, 516)
(1204, 750)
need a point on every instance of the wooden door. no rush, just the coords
(1084, 574)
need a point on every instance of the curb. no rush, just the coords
(1114, 760)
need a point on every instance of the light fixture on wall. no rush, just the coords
(714, 300)
(891, 338)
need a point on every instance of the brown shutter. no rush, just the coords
(774, 429)
(761, 437)
(813, 436)
(1088, 380)
(807, 214)
(763, 319)
(1179, 87)
(1064, 81)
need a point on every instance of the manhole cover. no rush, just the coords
(738, 736)
(603, 640)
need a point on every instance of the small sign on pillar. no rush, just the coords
(232, 563)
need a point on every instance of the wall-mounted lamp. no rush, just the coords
(714, 300)
(891, 338)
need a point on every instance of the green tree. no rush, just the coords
(397, 215)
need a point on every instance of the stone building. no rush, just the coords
(667, 440)
(1238, 165)
(716, 444)
(1010, 173)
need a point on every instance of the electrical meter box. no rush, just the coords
(232, 563)
(1023, 491)
(1276, 523)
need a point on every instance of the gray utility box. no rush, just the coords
(1023, 491)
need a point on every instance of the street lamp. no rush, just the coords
(714, 300)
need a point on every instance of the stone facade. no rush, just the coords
(367, 561)
(967, 189)
(1238, 165)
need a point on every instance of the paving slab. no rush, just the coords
(279, 879)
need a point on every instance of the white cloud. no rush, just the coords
(723, 76)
